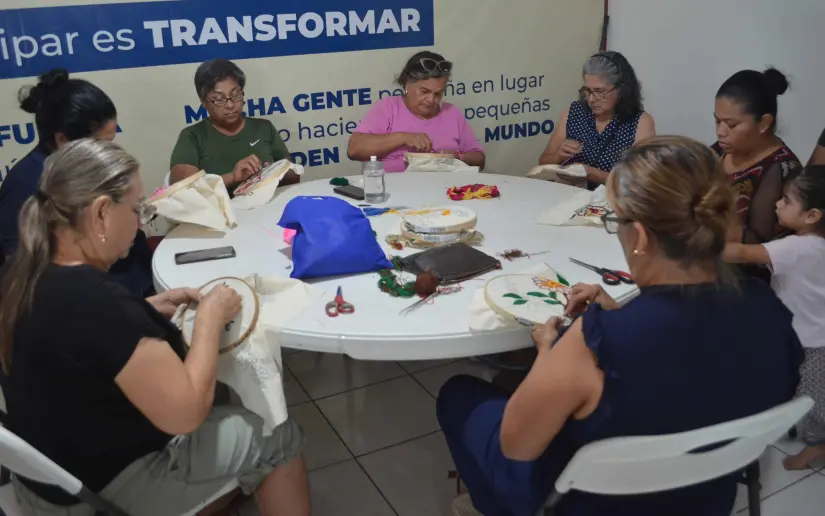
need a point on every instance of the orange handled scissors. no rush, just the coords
(339, 305)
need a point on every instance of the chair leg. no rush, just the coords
(754, 487)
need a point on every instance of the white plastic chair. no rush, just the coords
(21, 458)
(639, 465)
(166, 179)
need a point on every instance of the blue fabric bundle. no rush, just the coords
(334, 238)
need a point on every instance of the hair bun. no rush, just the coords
(711, 214)
(776, 81)
(30, 97)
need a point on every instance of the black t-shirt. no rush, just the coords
(60, 391)
(821, 141)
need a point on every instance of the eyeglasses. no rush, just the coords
(599, 95)
(221, 100)
(431, 65)
(612, 222)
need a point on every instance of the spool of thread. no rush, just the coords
(426, 284)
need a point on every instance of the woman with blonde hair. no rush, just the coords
(668, 361)
(100, 381)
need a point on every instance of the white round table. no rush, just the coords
(376, 331)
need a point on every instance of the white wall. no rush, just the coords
(683, 50)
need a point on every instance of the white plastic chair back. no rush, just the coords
(166, 179)
(23, 459)
(638, 465)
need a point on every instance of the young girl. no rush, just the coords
(797, 263)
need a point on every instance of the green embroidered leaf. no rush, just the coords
(536, 294)
(551, 302)
(563, 281)
(553, 295)
(520, 302)
(514, 296)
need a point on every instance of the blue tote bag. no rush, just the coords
(333, 238)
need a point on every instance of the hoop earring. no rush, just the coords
(102, 237)
(405, 92)
(636, 252)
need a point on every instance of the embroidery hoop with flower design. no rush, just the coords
(528, 299)
(237, 331)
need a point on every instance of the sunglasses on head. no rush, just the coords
(431, 65)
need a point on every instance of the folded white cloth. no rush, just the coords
(200, 199)
(552, 172)
(254, 369)
(483, 318)
(436, 163)
(583, 209)
(260, 188)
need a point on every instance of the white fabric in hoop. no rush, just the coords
(253, 368)
(527, 298)
(481, 317)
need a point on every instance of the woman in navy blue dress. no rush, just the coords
(607, 119)
(65, 110)
(668, 361)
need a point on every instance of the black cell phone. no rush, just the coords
(353, 192)
(205, 255)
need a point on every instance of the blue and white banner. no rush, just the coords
(131, 35)
(313, 67)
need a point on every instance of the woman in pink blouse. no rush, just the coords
(420, 121)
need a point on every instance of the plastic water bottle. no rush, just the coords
(375, 189)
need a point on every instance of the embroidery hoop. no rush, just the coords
(440, 219)
(248, 295)
(465, 235)
(534, 309)
(177, 187)
(272, 172)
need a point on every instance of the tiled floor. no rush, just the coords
(374, 447)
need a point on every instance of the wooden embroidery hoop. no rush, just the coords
(177, 187)
(252, 324)
(523, 319)
(440, 219)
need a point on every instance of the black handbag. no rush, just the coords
(450, 263)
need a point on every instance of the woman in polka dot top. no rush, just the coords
(607, 119)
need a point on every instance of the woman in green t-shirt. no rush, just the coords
(226, 143)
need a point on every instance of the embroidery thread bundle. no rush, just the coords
(515, 254)
(476, 191)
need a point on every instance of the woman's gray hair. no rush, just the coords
(414, 71)
(212, 72)
(602, 66)
(73, 177)
(614, 68)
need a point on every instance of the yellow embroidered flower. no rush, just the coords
(547, 283)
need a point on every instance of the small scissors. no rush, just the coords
(339, 306)
(609, 276)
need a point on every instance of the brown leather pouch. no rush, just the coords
(451, 263)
